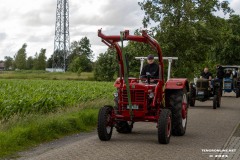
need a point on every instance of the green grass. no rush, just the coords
(21, 133)
(34, 74)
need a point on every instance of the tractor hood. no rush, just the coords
(134, 83)
(176, 83)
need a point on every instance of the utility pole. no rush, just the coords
(62, 37)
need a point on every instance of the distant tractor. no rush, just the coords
(143, 99)
(202, 91)
(231, 81)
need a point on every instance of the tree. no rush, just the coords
(81, 62)
(136, 49)
(81, 49)
(230, 46)
(30, 62)
(8, 63)
(35, 61)
(186, 29)
(85, 63)
(20, 58)
(39, 61)
(75, 65)
(42, 59)
(106, 66)
(57, 59)
(50, 62)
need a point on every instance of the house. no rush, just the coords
(2, 66)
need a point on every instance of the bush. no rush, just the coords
(106, 67)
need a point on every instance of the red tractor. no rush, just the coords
(144, 100)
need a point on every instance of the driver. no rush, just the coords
(206, 74)
(228, 74)
(151, 67)
(220, 72)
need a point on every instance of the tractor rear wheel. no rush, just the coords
(164, 126)
(105, 123)
(179, 107)
(123, 127)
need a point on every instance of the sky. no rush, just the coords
(33, 22)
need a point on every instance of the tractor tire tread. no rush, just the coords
(176, 108)
(162, 126)
(102, 122)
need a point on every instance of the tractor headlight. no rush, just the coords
(151, 95)
(115, 94)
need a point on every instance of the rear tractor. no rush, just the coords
(231, 80)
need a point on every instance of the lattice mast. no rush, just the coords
(62, 37)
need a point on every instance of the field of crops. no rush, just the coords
(22, 97)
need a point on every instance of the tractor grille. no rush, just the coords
(202, 84)
(137, 98)
(227, 85)
(136, 95)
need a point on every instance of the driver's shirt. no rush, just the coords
(206, 75)
(220, 73)
(153, 69)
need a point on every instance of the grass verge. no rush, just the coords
(23, 133)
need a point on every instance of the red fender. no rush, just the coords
(176, 83)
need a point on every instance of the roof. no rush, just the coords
(231, 66)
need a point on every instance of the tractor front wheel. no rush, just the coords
(105, 123)
(164, 126)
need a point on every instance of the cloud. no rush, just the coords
(3, 36)
(37, 39)
(92, 32)
(44, 15)
(33, 22)
(111, 14)
(38, 19)
(235, 5)
(112, 17)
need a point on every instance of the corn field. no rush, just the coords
(22, 97)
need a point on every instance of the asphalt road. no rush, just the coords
(206, 129)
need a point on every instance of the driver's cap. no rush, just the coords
(150, 57)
